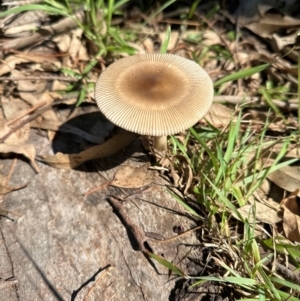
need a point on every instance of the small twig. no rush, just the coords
(235, 99)
(103, 186)
(177, 236)
(138, 235)
(138, 193)
(51, 77)
(284, 271)
(180, 22)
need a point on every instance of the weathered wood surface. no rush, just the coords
(61, 246)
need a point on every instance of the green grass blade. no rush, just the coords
(90, 66)
(119, 4)
(270, 102)
(47, 8)
(206, 148)
(223, 199)
(231, 142)
(247, 283)
(110, 11)
(263, 173)
(181, 147)
(165, 44)
(167, 264)
(186, 206)
(286, 283)
(81, 97)
(193, 8)
(287, 297)
(241, 74)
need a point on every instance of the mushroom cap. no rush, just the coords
(154, 94)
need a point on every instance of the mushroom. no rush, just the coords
(154, 94)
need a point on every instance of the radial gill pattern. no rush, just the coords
(154, 94)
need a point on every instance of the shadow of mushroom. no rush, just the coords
(85, 131)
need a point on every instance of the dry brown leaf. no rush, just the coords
(75, 44)
(11, 61)
(128, 177)
(219, 115)
(272, 22)
(291, 216)
(37, 86)
(15, 31)
(63, 42)
(287, 177)
(48, 97)
(18, 137)
(174, 175)
(187, 176)
(281, 42)
(149, 45)
(108, 148)
(83, 54)
(132, 177)
(259, 212)
(32, 18)
(211, 38)
(264, 18)
(12, 106)
(276, 123)
(59, 86)
(27, 150)
(46, 32)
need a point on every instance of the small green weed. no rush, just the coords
(228, 167)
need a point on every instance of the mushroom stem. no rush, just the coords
(160, 143)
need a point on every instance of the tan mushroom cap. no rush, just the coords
(154, 94)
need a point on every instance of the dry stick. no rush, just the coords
(138, 193)
(50, 77)
(139, 235)
(283, 271)
(177, 236)
(103, 186)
